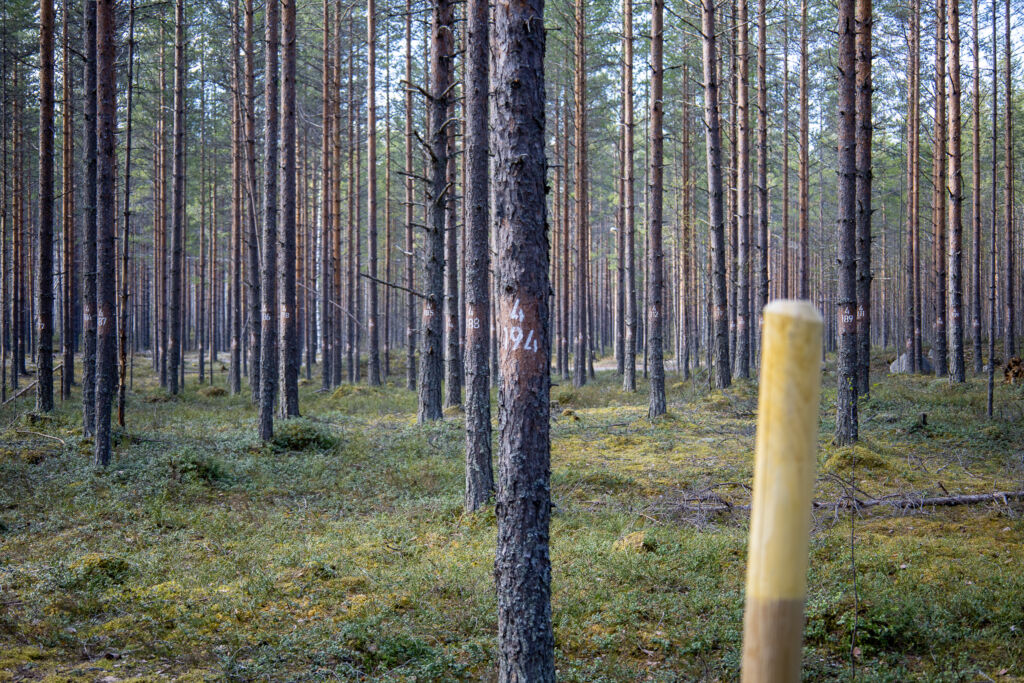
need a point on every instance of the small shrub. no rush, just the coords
(205, 469)
(95, 570)
(301, 434)
(213, 392)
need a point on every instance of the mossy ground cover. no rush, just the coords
(340, 550)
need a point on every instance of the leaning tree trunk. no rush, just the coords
(431, 353)
(106, 138)
(44, 270)
(655, 284)
(522, 564)
(175, 332)
(846, 373)
(289, 352)
(863, 237)
(479, 474)
(268, 334)
(955, 186)
(713, 144)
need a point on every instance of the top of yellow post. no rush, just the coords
(793, 308)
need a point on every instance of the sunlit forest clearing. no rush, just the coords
(340, 549)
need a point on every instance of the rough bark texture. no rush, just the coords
(655, 284)
(762, 162)
(1009, 294)
(327, 312)
(976, 194)
(268, 340)
(955, 189)
(713, 144)
(252, 238)
(479, 473)
(431, 353)
(522, 561)
(286, 264)
(912, 322)
(89, 248)
(372, 327)
(864, 129)
(803, 290)
(410, 272)
(70, 293)
(235, 314)
(175, 332)
(939, 195)
(579, 368)
(846, 373)
(106, 137)
(453, 352)
(743, 197)
(629, 354)
(44, 265)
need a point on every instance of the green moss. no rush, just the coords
(301, 434)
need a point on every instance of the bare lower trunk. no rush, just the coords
(269, 294)
(655, 285)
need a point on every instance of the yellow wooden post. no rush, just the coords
(780, 515)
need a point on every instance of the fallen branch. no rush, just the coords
(846, 502)
(45, 436)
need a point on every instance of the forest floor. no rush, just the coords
(341, 550)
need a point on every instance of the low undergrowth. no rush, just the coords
(340, 550)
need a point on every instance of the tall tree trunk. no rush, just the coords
(327, 312)
(976, 194)
(913, 322)
(44, 266)
(785, 151)
(431, 353)
(939, 197)
(268, 290)
(453, 355)
(1009, 340)
(89, 250)
(479, 475)
(122, 385)
(803, 254)
(995, 189)
(629, 374)
(955, 187)
(762, 158)
(846, 372)
(106, 129)
(522, 562)
(175, 333)
(253, 276)
(372, 327)
(655, 283)
(410, 273)
(579, 373)
(237, 170)
(69, 290)
(864, 177)
(743, 198)
(289, 359)
(713, 142)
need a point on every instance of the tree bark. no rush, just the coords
(174, 311)
(89, 250)
(955, 188)
(713, 143)
(939, 196)
(846, 372)
(268, 289)
(372, 327)
(69, 289)
(864, 178)
(976, 194)
(1009, 293)
(579, 372)
(327, 312)
(122, 385)
(44, 265)
(522, 561)
(288, 328)
(237, 169)
(106, 128)
(655, 283)
(803, 254)
(743, 197)
(629, 373)
(431, 353)
(253, 275)
(410, 273)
